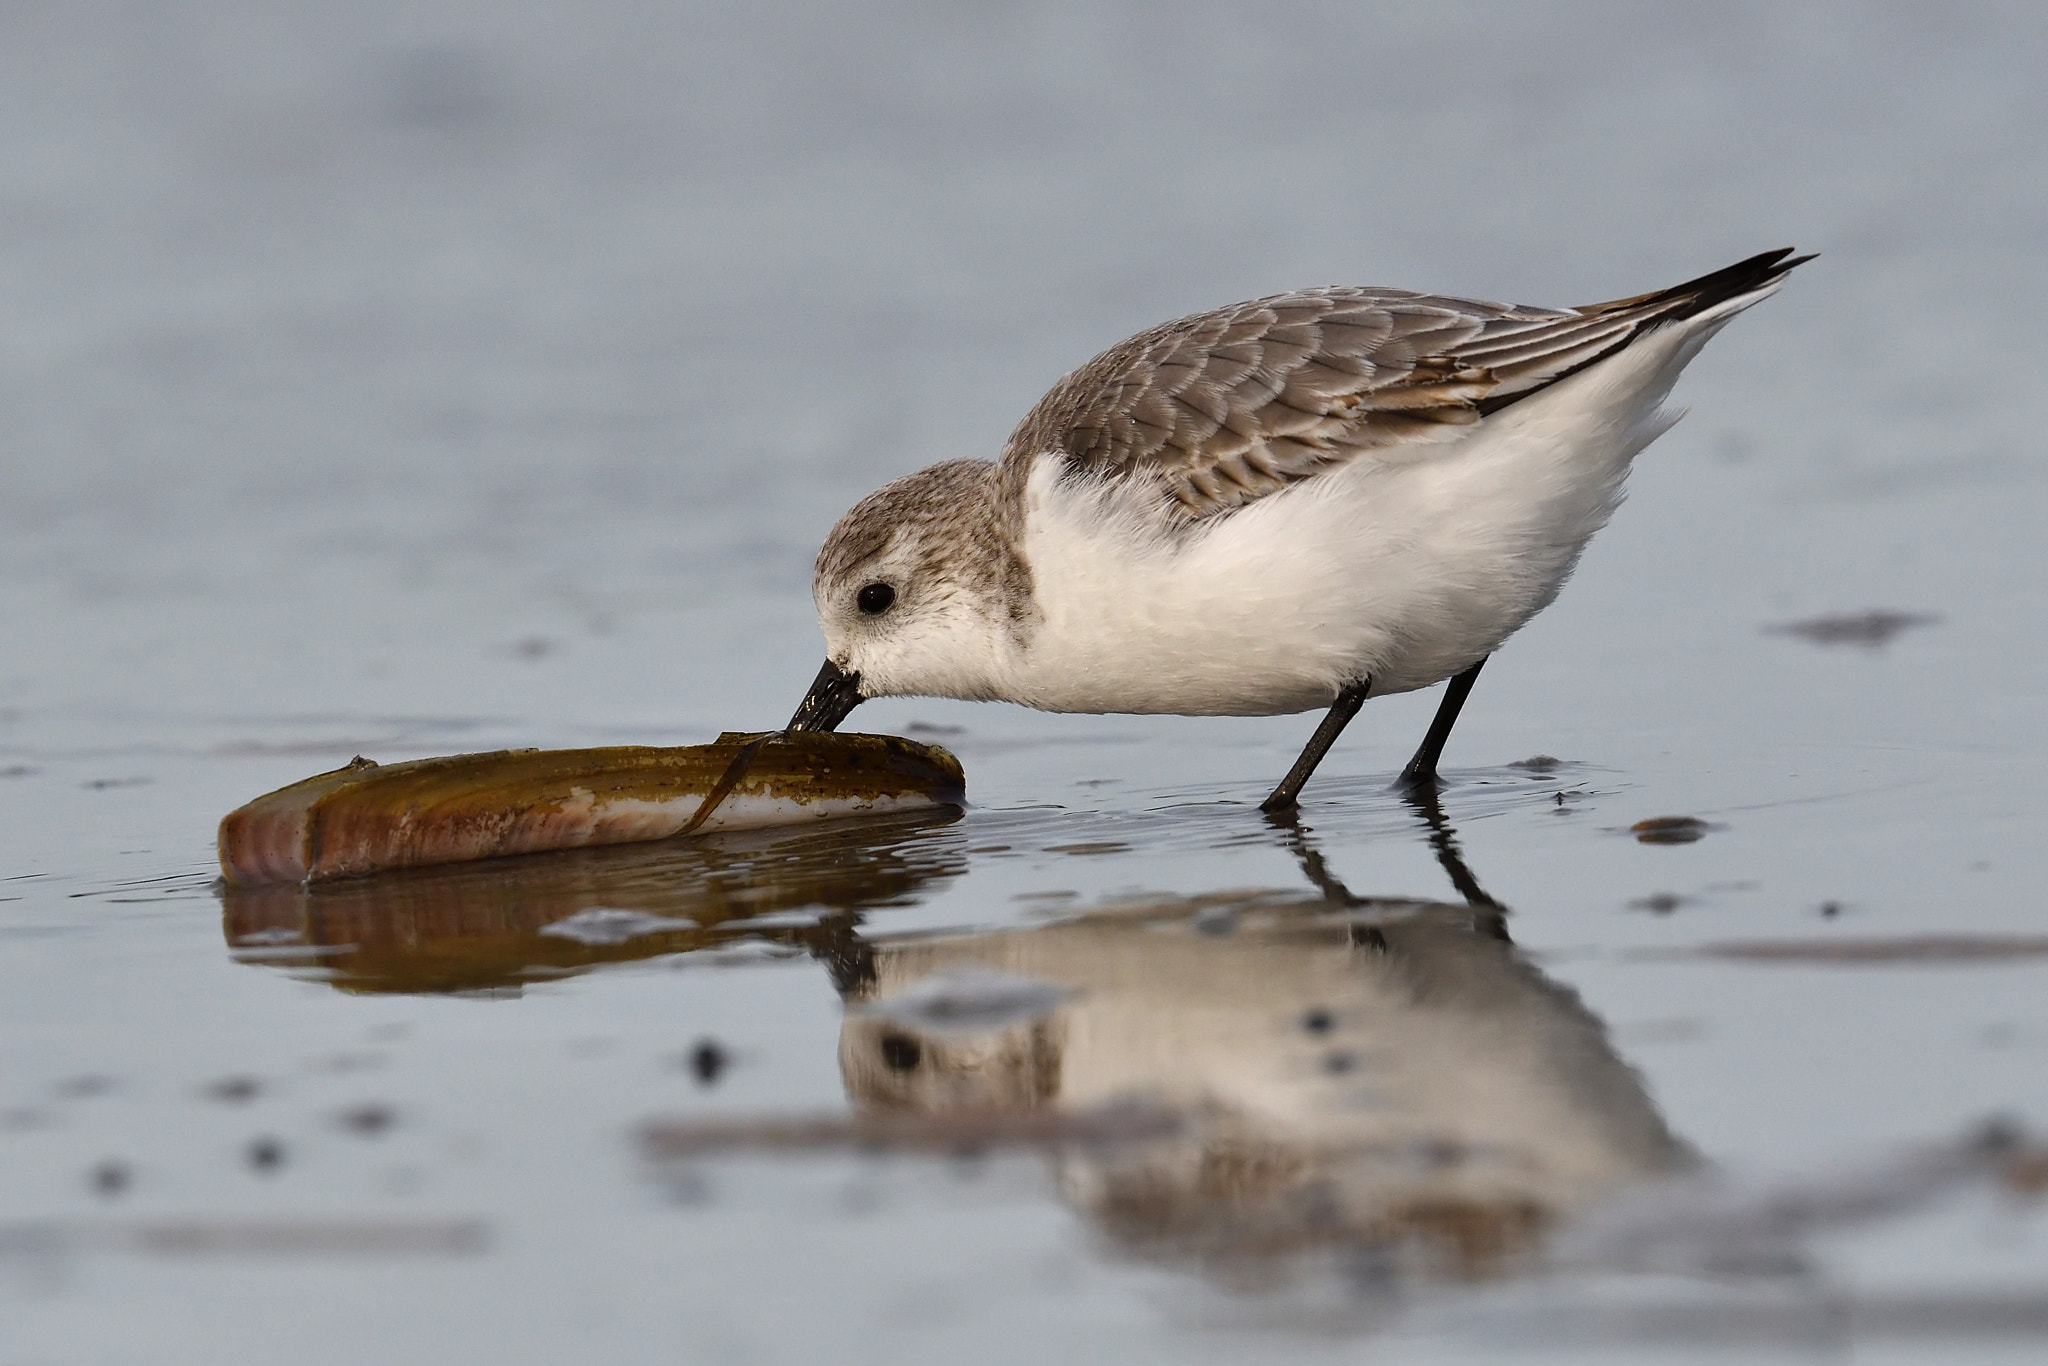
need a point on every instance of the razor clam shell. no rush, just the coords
(370, 818)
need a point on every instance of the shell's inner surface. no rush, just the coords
(369, 817)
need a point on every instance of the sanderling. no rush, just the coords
(1301, 501)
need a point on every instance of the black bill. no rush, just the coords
(833, 694)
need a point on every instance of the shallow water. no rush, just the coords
(430, 381)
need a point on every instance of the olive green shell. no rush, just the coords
(370, 817)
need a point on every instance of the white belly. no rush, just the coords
(1403, 567)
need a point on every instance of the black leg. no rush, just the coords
(1339, 716)
(1421, 770)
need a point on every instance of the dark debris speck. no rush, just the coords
(235, 1090)
(265, 1155)
(708, 1060)
(1870, 630)
(367, 1120)
(1670, 830)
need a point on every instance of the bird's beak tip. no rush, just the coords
(834, 693)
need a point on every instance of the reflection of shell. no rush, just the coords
(369, 817)
(481, 926)
(1407, 1081)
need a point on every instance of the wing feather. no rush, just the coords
(1225, 407)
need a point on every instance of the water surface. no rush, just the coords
(419, 381)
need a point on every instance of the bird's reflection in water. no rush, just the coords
(1378, 1086)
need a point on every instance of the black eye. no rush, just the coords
(875, 599)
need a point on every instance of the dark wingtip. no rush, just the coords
(1662, 306)
(1716, 287)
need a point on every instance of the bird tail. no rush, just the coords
(1695, 297)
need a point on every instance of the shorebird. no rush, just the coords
(1297, 502)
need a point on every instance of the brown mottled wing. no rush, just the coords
(1227, 406)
